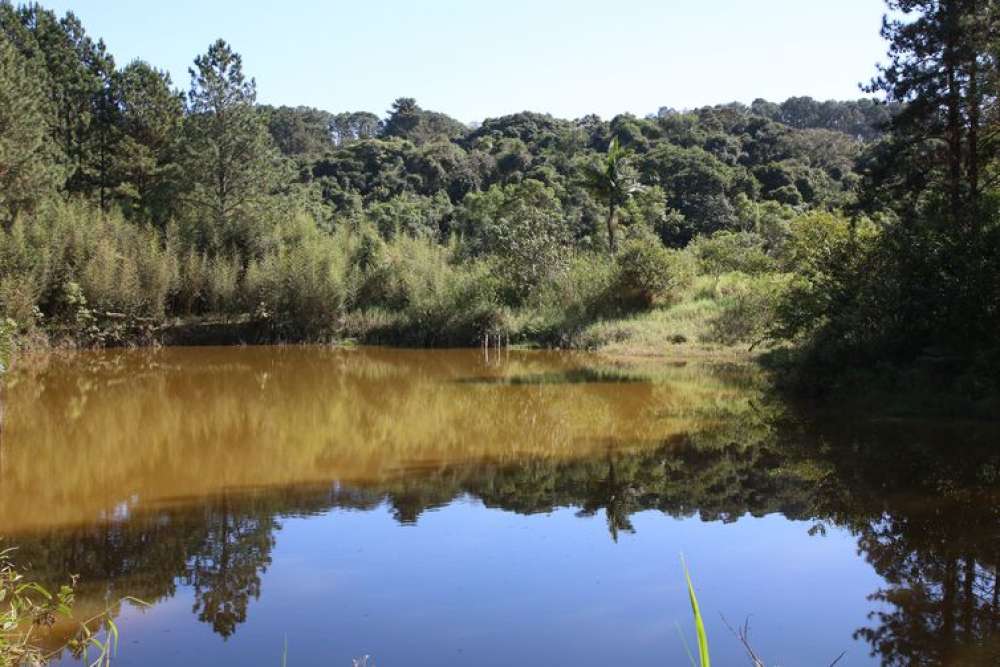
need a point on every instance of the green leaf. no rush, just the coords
(699, 623)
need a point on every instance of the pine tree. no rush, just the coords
(404, 117)
(229, 160)
(28, 170)
(101, 171)
(62, 45)
(151, 118)
(75, 74)
(942, 68)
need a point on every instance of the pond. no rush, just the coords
(511, 508)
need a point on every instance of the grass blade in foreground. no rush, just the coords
(699, 623)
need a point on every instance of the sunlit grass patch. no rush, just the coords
(679, 329)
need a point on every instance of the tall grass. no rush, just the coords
(65, 265)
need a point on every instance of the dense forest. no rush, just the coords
(840, 234)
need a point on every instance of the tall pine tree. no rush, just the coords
(151, 116)
(229, 160)
(943, 69)
(28, 164)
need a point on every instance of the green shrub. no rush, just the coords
(459, 310)
(26, 606)
(575, 297)
(117, 266)
(19, 296)
(746, 307)
(24, 273)
(732, 251)
(648, 273)
(222, 284)
(826, 253)
(298, 286)
(191, 295)
(410, 215)
(445, 302)
(375, 272)
(127, 270)
(523, 228)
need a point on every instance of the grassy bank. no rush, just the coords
(711, 319)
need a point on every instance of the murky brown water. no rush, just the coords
(430, 507)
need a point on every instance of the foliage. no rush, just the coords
(28, 170)
(746, 308)
(301, 131)
(698, 185)
(442, 301)
(727, 251)
(151, 119)
(522, 227)
(576, 297)
(827, 255)
(26, 607)
(298, 286)
(70, 259)
(229, 161)
(918, 290)
(924, 288)
(649, 273)
(613, 180)
(863, 118)
(412, 215)
(407, 120)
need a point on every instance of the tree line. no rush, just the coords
(125, 139)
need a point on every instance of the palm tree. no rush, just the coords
(613, 181)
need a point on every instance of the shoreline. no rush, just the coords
(897, 394)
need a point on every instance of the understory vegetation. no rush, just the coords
(95, 279)
(835, 236)
(28, 610)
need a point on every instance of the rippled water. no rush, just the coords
(444, 507)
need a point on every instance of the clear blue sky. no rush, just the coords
(474, 59)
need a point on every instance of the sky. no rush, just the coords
(474, 59)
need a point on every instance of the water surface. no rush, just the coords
(430, 507)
